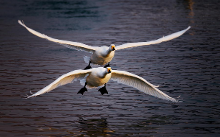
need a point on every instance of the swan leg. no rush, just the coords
(107, 65)
(82, 90)
(103, 90)
(88, 67)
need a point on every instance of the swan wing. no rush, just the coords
(139, 83)
(69, 44)
(163, 39)
(63, 80)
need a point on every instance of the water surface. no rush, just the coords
(187, 67)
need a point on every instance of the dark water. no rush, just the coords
(187, 67)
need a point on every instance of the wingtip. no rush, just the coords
(29, 96)
(178, 100)
(188, 28)
(183, 31)
(174, 100)
(21, 22)
(171, 99)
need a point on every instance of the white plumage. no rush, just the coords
(104, 54)
(97, 77)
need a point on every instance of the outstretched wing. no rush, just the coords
(163, 39)
(69, 44)
(63, 80)
(139, 83)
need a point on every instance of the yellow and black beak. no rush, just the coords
(109, 70)
(113, 47)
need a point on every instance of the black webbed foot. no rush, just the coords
(88, 67)
(107, 65)
(103, 90)
(82, 90)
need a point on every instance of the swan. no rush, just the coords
(104, 54)
(98, 77)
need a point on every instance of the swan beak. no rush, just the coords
(109, 70)
(113, 47)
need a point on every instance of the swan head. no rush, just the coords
(112, 47)
(103, 72)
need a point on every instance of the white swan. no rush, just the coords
(102, 55)
(97, 77)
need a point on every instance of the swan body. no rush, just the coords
(97, 77)
(104, 54)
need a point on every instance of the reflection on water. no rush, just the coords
(187, 67)
(95, 127)
(191, 8)
(90, 127)
(191, 13)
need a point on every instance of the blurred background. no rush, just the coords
(186, 67)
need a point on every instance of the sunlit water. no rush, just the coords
(187, 67)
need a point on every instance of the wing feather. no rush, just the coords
(63, 80)
(163, 39)
(68, 44)
(140, 84)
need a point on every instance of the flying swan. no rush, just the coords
(98, 77)
(102, 55)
